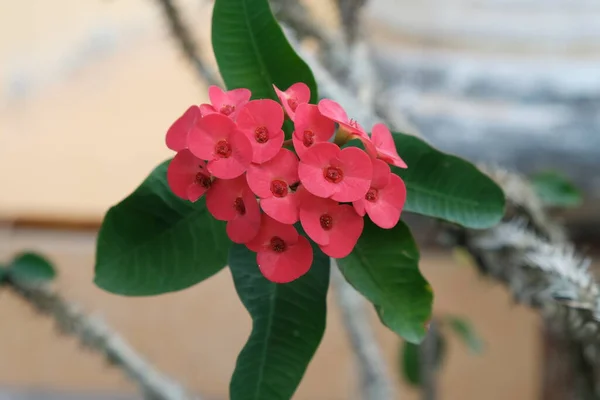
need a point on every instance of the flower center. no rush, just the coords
(261, 134)
(333, 174)
(223, 149)
(277, 244)
(309, 138)
(326, 221)
(372, 195)
(279, 188)
(293, 103)
(203, 180)
(227, 109)
(239, 206)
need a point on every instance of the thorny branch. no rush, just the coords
(186, 41)
(96, 336)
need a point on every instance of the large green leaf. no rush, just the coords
(153, 242)
(443, 186)
(252, 51)
(31, 268)
(288, 321)
(384, 267)
(555, 190)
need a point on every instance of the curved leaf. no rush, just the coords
(443, 186)
(153, 242)
(252, 51)
(555, 190)
(384, 267)
(465, 331)
(31, 268)
(288, 324)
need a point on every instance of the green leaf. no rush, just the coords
(384, 267)
(252, 51)
(443, 186)
(31, 268)
(154, 242)
(410, 359)
(555, 190)
(288, 324)
(464, 330)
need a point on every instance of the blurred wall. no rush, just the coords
(87, 90)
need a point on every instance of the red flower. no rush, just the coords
(227, 103)
(215, 138)
(295, 95)
(187, 176)
(271, 182)
(350, 127)
(261, 122)
(310, 127)
(282, 254)
(386, 148)
(232, 200)
(385, 199)
(328, 171)
(177, 135)
(334, 227)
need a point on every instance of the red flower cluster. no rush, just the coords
(233, 151)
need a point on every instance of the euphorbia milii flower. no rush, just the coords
(310, 127)
(227, 103)
(385, 146)
(385, 199)
(343, 175)
(261, 122)
(187, 176)
(177, 134)
(271, 182)
(232, 200)
(215, 138)
(291, 98)
(350, 127)
(282, 254)
(334, 227)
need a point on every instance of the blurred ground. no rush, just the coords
(195, 335)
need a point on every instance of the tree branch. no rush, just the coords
(98, 337)
(375, 384)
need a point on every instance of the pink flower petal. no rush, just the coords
(298, 93)
(311, 127)
(261, 122)
(346, 228)
(381, 174)
(245, 226)
(207, 132)
(358, 171)
(310, 169)
(288, 265)
(222, 200)
(230, 102)
(206, 109)
(177, 134)
(235, 163)
(283, 167)
(335, 227)
(386, 148)
(334, 111)
(187, 176)
(282, 209)
(385, 211)
(269, 228)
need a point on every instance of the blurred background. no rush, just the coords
(88, 89)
